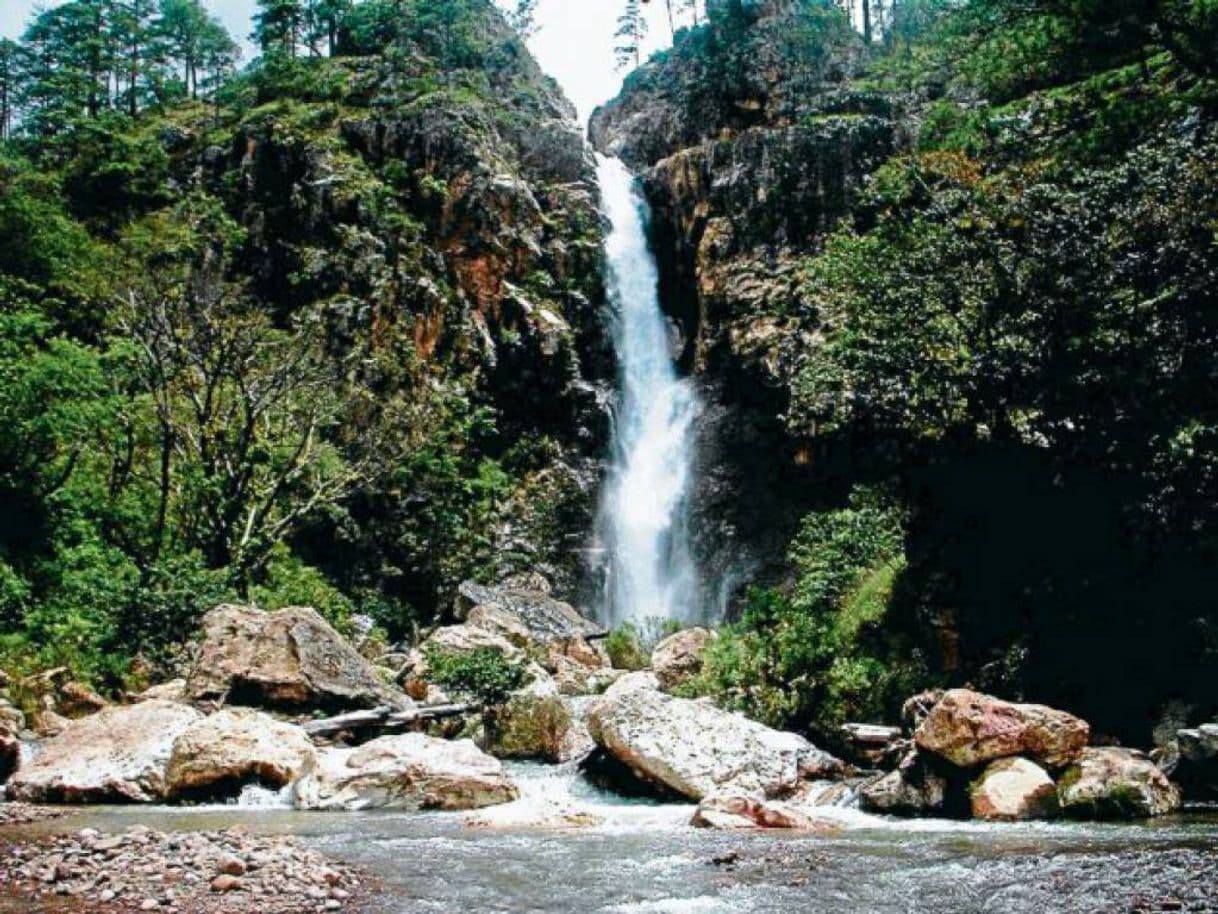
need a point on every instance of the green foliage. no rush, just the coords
(626, 648)
(483, 672)
(288, 581)
(816, 656)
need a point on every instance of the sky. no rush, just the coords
(574, 44)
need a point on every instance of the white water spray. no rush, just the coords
(651, 575)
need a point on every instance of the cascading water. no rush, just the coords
(651, 578)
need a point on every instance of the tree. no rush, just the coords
(631, 30)
(181, 26)
(9, 66)
(134, 59)
(242, 413)
(280, 26)
(324, 20)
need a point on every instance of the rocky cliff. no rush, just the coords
(883, 276)
(752, 146)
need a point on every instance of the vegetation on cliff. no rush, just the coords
(321, 333)
(996, 302)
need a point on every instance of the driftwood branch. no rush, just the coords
(383, 718)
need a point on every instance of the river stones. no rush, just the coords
(1012, 789)
(233, 747)
(697, 749)
(118, 755)
(1114, 783)
(678, 658)
(409, 772)
(968, 728)
(734, 811)
(288, 659)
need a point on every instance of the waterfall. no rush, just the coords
(651, 578)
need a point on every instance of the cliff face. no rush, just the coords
(443, 221)
(878, 282)
(752, 148)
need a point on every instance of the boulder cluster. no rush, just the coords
(969, 754)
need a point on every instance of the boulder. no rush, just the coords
(233, 747)
(119, 754)
(75, 699)
(1198, 768)
(544, 618)
(410, 772)
(678, 658)
(1199, 745)
(915, 788)
(286, 659)
(12, 722)
(697, 749)
(1115, 783)
(534, 723)
(173, 690)
(732, 811)
(967, 728)
(1012, 789)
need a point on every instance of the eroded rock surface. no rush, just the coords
(968, 728)
(119, 754)
(1011, 789)
(291, 658)
(410, 772)
(697, 749)
(233, 747)
(678, 658)
(1114, 783)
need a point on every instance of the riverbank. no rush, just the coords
(183, 872)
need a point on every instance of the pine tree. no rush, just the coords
(280, 26)
(631, 30)
(134, 58)
(10, 54)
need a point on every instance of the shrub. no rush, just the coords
(483, 672)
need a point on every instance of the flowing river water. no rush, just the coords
(643, 857)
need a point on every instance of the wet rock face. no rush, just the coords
(730, 811)
(696, 749)
(118, 755)
(409, 772)
(287, 659)
(1114, 783)
(967, 728)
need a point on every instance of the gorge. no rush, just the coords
(439, 471)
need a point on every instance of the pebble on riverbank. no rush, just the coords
(183, 873)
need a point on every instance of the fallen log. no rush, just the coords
(383, 718)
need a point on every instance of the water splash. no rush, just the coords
(644, 517)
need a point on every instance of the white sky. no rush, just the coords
(575, 43)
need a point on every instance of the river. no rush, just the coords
(644, 859)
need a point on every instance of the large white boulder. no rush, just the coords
(1013, 789)
(697, 749)
(411, 772)
(234, 747)
(119, 754)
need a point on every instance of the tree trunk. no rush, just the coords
(867, 21)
